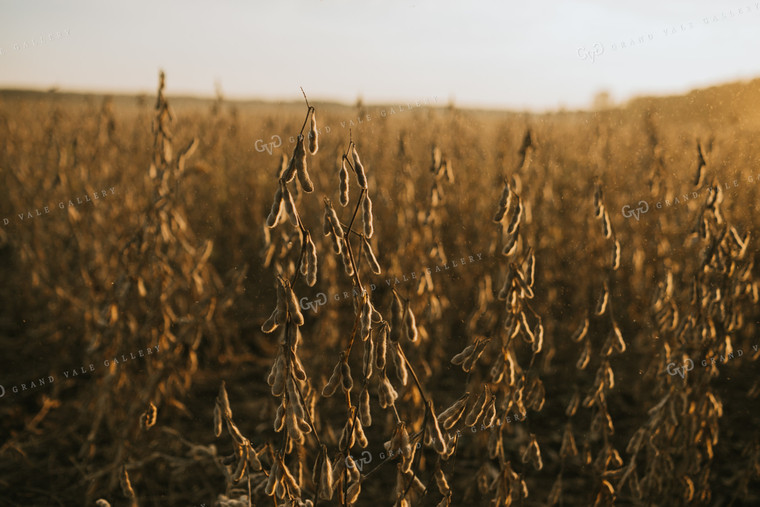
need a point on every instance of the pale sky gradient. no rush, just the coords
(516, 55)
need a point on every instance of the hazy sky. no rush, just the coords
(527, 54)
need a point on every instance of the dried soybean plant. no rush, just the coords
(508, 387)
(673, 452)
(287, 378)
(166, 296)
(607, 461)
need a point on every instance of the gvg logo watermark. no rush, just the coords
(681, 369)
(276, 142)
(314, 305)
(590, 54)
(688, 364)
(636, 213)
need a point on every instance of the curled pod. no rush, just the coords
(581, 332)
(410, 325)
(601, 305)
(616, 255)
(271, 323)
(606, 225)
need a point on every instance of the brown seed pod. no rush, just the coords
(516, 217)
(477, 408)
(507, 283)
(400, 365)
(335, 380)
(601, 305)
(279, 418)
(585, 356)
(606, 225)
(616, 256)
(361, 176)
(489, 413)
(290, 205)
(224, 402)
(364, 409)
(365, 319)
(343, 184)
(126, 485)
(386, 393)
(148, 418)
(274, 478)
(462, 356)
(369, 229)
(580, 333)
(397, 316)
(311, 262)
(289, 171)
(326, 482)
(345, 373)
(454, 413)
(294, 309)
(510, 245)
(301, 167)
(349, 268)
(336, 228)
(530, 269)
(368, 361)
(533, 453)
(439, 443)
(217, 421)
(274, 213)
(370, 256)
(538, 340)
(381, 347)
(313, 134)
(504, 203)
(410, 324)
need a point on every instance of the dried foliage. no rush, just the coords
(490, 331)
